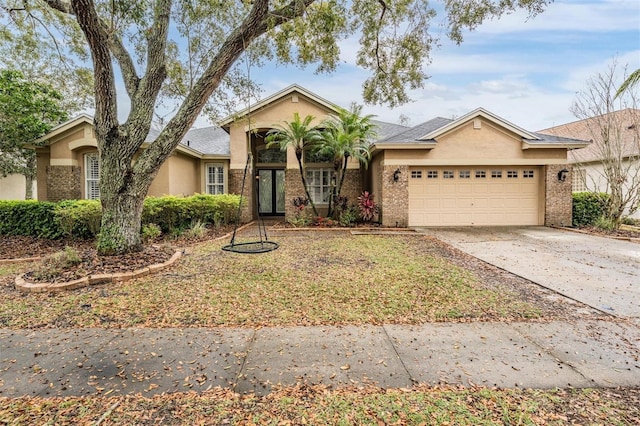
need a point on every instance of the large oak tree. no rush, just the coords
(185, 51)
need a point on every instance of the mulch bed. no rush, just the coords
(159, 251)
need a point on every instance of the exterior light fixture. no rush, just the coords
(396, 175)
(562, 175)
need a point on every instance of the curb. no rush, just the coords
(23, 285)
(579, 231)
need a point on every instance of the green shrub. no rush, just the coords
(150, 232)
(348, 217)
(79, 218)
(54, 264)
(196, 229)
(29, 218)
(605, 224)
(168, 212)
(177, 213)
(627, 220)
(588, 207)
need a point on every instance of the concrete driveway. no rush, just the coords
(601, 272)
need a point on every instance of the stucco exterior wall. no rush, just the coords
(278, 112)
(13, 187)
(183, 174)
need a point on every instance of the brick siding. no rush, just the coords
(63, 183)
(236, 177)
(394, 204)
(558, 200)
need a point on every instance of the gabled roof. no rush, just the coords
(426, 134)
(206, 141)
(224, 123)
(67, 125)
(416, 133)
(478, 112)
(211, 140)
(628, 121)
(384, 129)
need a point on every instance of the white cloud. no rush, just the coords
(583, 16)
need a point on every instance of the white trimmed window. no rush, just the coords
(92, 176)
(481, 174)
(448, 174)
(432, 174)
(416, 174)
(319, 184)
(579, 180)
(496, 174)
(215, 179)
(464, 174)
(527, 174)
(511, 174)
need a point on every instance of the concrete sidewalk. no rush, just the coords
(54, 362)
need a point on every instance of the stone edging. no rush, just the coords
(20, 259)
(27, 287)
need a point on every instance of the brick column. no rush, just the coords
(558, 199)
(63, 183)
(293, 188)
(394, 203)
(235, 187)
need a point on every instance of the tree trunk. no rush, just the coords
(121, 218)
(29, 176)
(122, 192)
(304, 184)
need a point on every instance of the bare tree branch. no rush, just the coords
(106, 118)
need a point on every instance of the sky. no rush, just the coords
(526, 71)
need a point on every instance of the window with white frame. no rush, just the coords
(448, 174)
(511, 174)
(92, 176)
(464, 174)
(496, 174)
(215, 179)
(416, 174)
(579, 180)
(319, 184)
(432, 174)
(527, 174)
(481, 174)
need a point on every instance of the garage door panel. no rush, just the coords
(474, 201)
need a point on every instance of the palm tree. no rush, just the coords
(346, 135)
(632, 80)
(301, 136)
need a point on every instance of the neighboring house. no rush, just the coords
(13, 187)
(587, 167)
(475, 170)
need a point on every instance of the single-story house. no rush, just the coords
(478, 169)
(588, 170)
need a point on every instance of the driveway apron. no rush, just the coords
(603, 273)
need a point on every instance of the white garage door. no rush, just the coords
(474, 196)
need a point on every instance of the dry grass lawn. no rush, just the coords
(312, 279)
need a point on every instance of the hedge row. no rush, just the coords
(588, 207)
(81, 218)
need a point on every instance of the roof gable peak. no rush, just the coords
(479, 112)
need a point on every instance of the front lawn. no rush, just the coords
(318, 405)
(313, 278)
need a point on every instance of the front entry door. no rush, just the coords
(271, 192)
